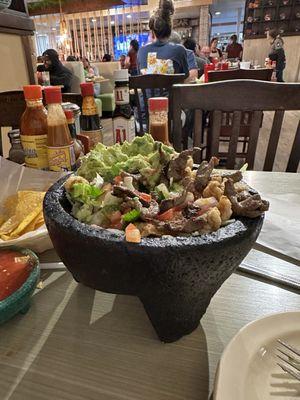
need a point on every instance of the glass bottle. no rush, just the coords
(60, 146)
(158, 118)
(123, 118)
(33, 128)
(78, 146)
(89, 120)
(16, 152)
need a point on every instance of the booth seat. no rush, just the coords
(106, 69)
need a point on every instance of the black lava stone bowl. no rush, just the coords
(174, 277)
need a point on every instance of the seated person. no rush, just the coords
(191, 58)
(190, 44)
(88, 69)
(106, 58)
(59, 74)
(161, 56)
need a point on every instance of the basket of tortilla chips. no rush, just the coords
(21, 206)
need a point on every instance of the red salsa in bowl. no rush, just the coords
(15, 268)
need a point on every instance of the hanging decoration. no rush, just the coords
(82, 40)
(64, 39)
(75, 36)
(109, 34)
(89, 38)
(71, 50)
(102, 30)
(131, 28)
(96, 42)
(117, 33)
(123, 22)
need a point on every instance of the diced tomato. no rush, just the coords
(132, 234)
(167, 215)
(115, 217)
(117, 180)
(146, 197)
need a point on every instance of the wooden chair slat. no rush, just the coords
(294, 158)
(213, 137)
(198, 139)
(274, 139)
(237, 117)
(138, 105)
(253, 137)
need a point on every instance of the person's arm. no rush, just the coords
(184, 61)
(193, 69)
(63, 77)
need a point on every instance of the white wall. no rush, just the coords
(13, 68)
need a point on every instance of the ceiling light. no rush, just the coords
(218, 34)
(128, 16)
(218, 13)
(54, 29)
(94, 20)
(112, 22)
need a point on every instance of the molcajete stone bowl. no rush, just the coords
(175, 278)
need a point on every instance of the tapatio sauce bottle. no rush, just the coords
(33, 128)
(60, 146)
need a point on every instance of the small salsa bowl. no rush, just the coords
(19, 301)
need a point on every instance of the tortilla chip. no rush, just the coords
(26, 221)
(22, 213)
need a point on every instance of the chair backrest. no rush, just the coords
(106, 69)
(12, 106)
(76, 67)
(151, 83)
(238, 96)
(264, 74)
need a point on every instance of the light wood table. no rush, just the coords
(78, 344)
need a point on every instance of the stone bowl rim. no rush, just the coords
(53, 210)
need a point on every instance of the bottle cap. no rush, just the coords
(32, 92)
(158, 104)
(121, 75)
(87, 89)
(53, 94)
(69, 114)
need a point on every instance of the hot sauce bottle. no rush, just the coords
(123, 118)
(90, 123)
(158, 118)
(60, 146)
(33, 128)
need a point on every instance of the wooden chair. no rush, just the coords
(238, 96)
(264, 74)
(152, 84)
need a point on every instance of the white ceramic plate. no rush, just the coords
(248, 369)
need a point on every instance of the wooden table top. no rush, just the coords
(78, 344)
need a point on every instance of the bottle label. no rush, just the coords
(89, 106)
(95, 137)
(35, 151)
(123, 129)
(61, 158)
(122, 95)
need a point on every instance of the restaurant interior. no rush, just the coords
(149, 202)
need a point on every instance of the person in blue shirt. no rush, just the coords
(160, 25)
(191, 58)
